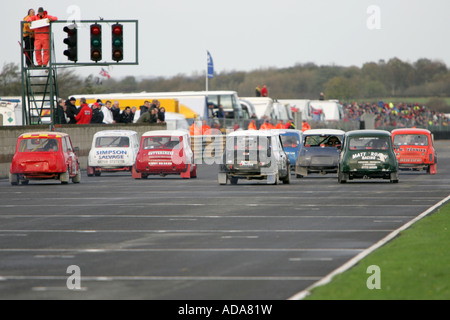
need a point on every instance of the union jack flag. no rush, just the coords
(105, 73)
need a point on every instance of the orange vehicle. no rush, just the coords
(44, 155)
(414, 149)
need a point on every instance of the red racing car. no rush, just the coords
(44, 155)
(414, 149)
(163, 153)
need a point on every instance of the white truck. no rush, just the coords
(326, 110)
(10, 112)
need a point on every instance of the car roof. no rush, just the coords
(43, 134)
(256, 133)
(324, 131)
(165, 133)
(115, 133)
(368, 133)
(286, 131)
(410, 130)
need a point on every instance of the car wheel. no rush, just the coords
(432, 169)
(64, 177)
(277, 179)
(194, 172)
(341, 177)
(77, 178)
(287, 180)
(135, 174)
(394, 177)
(303, 172)
(90, 171)
(234, 180)
(13, 179)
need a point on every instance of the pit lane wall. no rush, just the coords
(81, 136)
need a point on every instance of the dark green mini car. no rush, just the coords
(367, 154)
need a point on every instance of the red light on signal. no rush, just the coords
(95, 30)
(117, 30)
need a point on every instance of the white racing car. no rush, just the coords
(112, 151)
(254, 155)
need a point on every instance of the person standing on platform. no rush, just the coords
(28, 40)
(258, 91)
(264, 92)
(42, 38)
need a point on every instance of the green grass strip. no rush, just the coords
(413, 266)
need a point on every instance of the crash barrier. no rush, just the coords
(81, 136)
(227, 125)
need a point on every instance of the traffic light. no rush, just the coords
(96, 42)
(117, 42)
(71, 41)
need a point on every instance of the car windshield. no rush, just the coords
(289, 141)
(38, 145)
(369, 143)
(162, 143)
(322, 141)
(411, 140)
(112, 142)
(248, 143)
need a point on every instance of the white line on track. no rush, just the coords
(200, 231)
(157, 216)
(310, 259)
(44, 289)
(208, 204)
(147, 250)
(165, 278)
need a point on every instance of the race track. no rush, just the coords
(167, 238)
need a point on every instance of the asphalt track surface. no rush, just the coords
(168, 238)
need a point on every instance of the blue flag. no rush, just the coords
(210, 66)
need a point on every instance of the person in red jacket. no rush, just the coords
(42, 38)
(85, 114)
(264, 92)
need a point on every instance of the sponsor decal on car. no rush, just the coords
(370, 156)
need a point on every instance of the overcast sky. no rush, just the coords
(244, 35)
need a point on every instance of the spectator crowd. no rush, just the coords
(107, 113)
(400, 115)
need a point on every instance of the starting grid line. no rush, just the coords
(167, 278)
(147, 250)
(146, 205)
(202, 231)
(196, 216)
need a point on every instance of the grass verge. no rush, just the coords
(413, 266)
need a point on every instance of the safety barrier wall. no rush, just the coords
(81, 136)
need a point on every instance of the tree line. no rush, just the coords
(424, 78)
